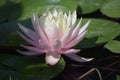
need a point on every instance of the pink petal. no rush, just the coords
(77, 28)
(29, 53)
(38, 28)
(78, 58)
(66, 35)
(31, 34)
(51, 30)
(52, 58)
(69, 51)
(75, 41)
(29, 40)
(43, 44)
(35, 49)
(75, 32)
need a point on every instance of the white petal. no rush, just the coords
(74, 17)
(28, 53)
(38, 28)
(35, 21)
(66, 35)
(78, 58)
(31, 34)
(51, 30)
(77, 36)
(84, 27)
(52, 58)
(55, 13)
(49, 15)
(75, 32)
(68, 21)
(77, 28)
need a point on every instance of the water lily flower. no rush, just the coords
(55, 33)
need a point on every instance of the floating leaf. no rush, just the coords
(111, 8)
(88, 6)
(113, 46)
(99, 31)
(105, 30)
(87, 43)
(31, 68)
(118, 77)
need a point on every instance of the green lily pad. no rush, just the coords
(111, 8)
(99, 32)
(118, 77)
(103, 29)
(23, 9)
(88, 6)
(113, 46)
(30, 68)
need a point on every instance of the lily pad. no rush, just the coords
(88, 6)
(113, 46)
(118, 77)
(111, 8)
(103, 29)
(99, 32)
(30, 68)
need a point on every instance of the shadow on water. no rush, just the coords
(10, 11)
(96, 14)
